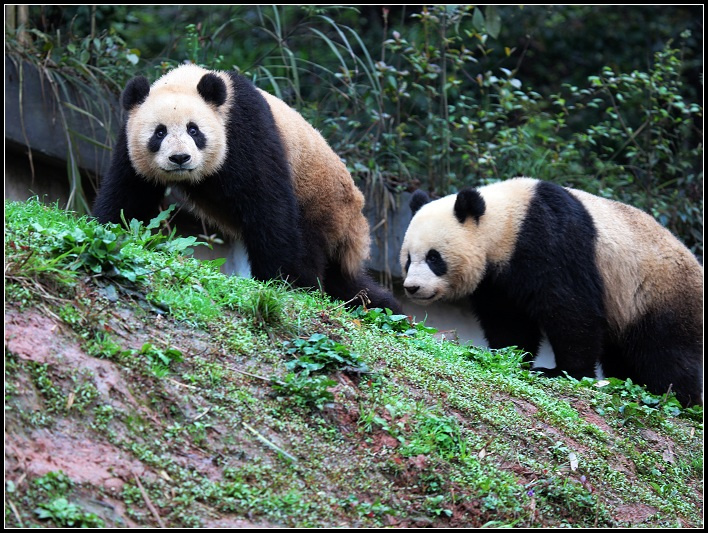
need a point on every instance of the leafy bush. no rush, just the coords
(320, 353)
(160, 360)
(386, 320)
(305, 390)
(436, 100)
(98, 248)
(305, 384)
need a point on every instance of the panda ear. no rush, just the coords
(213, 89)
(135, 92)
(418, 199)
(469, 203)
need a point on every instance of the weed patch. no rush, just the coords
(65, 514)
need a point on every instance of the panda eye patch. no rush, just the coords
(408, 263)
(157, 137)
(436, 263)
(197, 135)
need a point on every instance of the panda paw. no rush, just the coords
(549, 372)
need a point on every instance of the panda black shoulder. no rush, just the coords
(247, 99)
(555, 208)
(250, 112)
(557, 227)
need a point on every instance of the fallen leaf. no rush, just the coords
(573, 461)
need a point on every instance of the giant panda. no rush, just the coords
(604, 281)
(252, 166)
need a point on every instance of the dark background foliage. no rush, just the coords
(603, 98)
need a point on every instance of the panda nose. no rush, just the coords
(180, 159)
(412, 289)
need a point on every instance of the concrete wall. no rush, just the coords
(35, 118)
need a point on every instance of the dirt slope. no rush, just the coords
(187, 399)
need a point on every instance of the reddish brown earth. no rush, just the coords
(100, 470)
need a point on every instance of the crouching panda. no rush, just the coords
(604, 281)
(252, 166)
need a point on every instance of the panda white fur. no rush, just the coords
(250, 165)
(603, 280)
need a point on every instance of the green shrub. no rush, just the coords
(436, 99)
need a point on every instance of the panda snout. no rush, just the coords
(411, 289)
(180, 159)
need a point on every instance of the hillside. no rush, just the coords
(144, 389)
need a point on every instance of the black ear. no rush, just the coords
(213, 89)
(469, 203)
(418, 199)
(135, 92)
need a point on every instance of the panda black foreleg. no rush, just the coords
(276, 251)
(266, 216)
(123, 189)
(577, 342)
(504, 323)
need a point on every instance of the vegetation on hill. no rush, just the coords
(143, 388)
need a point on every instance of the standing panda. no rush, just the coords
(604, 281)
(250, 165)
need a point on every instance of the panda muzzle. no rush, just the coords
(180, 159)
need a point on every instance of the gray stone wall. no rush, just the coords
(35, 118)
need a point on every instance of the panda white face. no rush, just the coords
(176, 138)
(175, 135)
(438, 256)
(450, 242)
(426, 280)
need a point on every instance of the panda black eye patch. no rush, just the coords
(197, 135)
(408, 263)
(156, 139)
(436, 263)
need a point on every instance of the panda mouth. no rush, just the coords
(422, 299)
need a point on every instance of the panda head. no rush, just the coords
(176, 128)
(443, 254)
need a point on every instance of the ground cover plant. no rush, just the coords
(144, 388)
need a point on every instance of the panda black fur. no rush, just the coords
(603, 280)
(252, 166)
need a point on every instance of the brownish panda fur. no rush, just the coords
(629, 292)
(324, 187)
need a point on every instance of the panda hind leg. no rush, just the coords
(674, 363)
(347, 288)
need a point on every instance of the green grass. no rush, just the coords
(249, 400)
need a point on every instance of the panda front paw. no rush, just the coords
(548, 372)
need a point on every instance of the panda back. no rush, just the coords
(644, 266)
